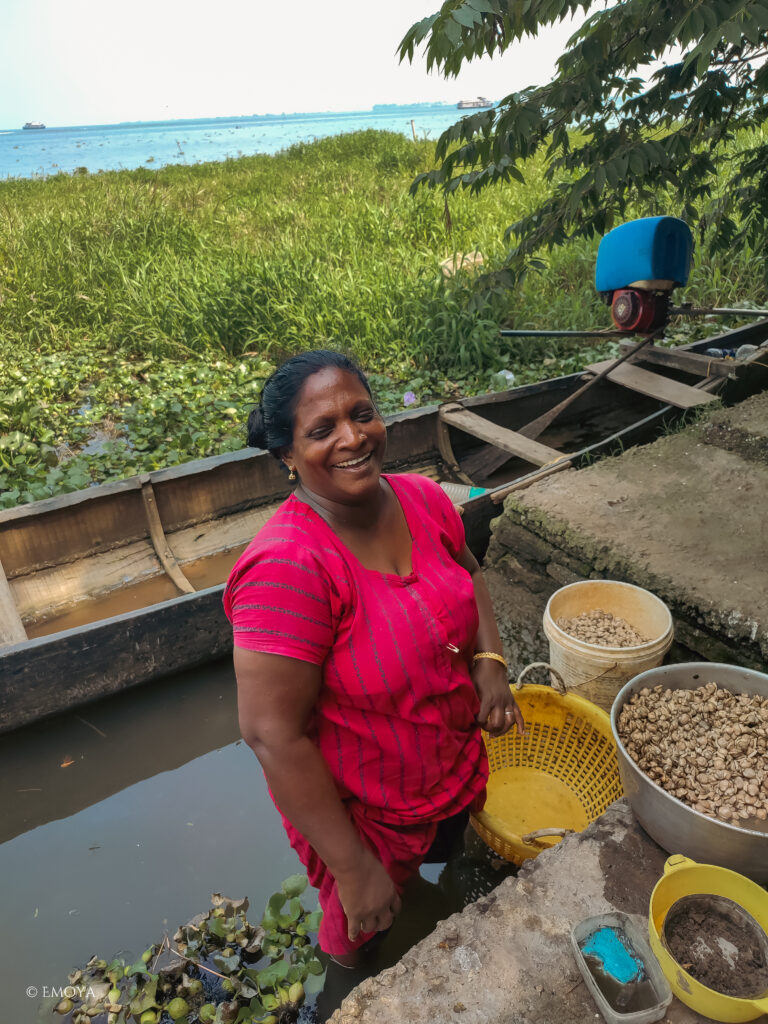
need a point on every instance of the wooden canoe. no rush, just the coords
(121, 583)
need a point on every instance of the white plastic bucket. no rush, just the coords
(596, 672)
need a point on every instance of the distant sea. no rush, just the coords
(29, 153)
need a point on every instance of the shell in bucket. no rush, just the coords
(598, 672)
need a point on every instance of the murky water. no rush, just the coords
(160, 807)
(120, 820)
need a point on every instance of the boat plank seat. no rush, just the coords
(689, 362)
(683, 396)
(508, 440)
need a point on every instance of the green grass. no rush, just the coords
(144, 307)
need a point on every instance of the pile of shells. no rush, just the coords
(708, 747)
(601, 628)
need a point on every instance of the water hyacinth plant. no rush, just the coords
(216, 969)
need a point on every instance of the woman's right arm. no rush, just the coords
(276, 696)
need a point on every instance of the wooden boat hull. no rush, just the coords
(121, 584)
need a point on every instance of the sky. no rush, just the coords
(74, 62)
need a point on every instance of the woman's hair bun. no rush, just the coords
(257, 431)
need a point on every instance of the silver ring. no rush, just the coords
(509, 712)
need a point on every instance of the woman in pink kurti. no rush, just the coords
(358, 616)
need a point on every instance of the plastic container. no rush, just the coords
(683, 877)
(462, 492)
(593, 671)
(652, 988)
(556, 779)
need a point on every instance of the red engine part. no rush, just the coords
(636, 310)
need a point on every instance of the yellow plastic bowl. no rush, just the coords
(560, 776)
(684, 877)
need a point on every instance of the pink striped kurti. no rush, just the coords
(395, 716)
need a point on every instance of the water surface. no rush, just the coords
(128, 840)
(30, 153)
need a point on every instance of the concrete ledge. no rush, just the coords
(743, 429)
(507, 958)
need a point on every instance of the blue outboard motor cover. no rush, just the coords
(649, 249)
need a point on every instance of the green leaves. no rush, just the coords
(138, 968)
(270, 976)
(227, 964)
(146, 998)
(187, 970)
(665, 133)
(295, 885)
(465, 29)
(312, 921)
(97, 417)
(275, 904)
(216, 927)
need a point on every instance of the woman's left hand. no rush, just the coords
(498, 710)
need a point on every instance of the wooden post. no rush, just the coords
(413, 131)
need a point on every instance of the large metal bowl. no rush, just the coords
(674, 825)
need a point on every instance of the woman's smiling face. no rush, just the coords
(339, 439)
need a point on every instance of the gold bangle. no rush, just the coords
(490, 654)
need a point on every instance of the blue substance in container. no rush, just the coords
(610, 949)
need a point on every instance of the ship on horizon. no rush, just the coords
(34, 124)
(475, 104)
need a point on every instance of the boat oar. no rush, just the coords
(539, 425)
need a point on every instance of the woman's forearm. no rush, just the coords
(488, 638)
(498, 710)
(306, 794)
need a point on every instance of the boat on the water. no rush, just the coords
(119, 584)
(34, 124)
(476, 104)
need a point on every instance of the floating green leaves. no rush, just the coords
(295, 885)
(94, 417)
(145, 998)
(218, 969)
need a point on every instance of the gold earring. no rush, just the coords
(292, 474)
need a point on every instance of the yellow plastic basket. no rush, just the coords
(556, 779)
